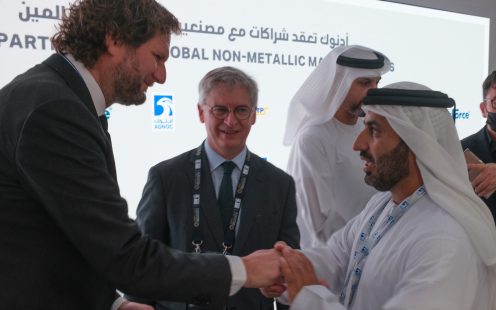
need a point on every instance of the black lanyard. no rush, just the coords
(229, 231)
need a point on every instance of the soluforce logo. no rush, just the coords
(457, 114)
(164, 112)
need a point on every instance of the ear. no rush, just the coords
(114, 48)
(483, 109)
(201, 113)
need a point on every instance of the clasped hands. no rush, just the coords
(279, 269)
(484, 183)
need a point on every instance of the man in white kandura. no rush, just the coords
(321, 127)
(426, 241)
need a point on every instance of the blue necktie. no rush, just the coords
(226, 197)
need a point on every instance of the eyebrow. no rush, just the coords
(370, 78)
(371, 123)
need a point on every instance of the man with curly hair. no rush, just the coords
(65, 236)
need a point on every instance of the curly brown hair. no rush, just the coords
(131, 22)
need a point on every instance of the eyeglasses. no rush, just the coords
(221, 112)
(492, 102)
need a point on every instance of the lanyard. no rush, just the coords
(368, 241)
(229, 231)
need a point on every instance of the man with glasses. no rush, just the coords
(483, 145)
(220, 197)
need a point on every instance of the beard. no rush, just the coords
(127, 82)
(390, 168)
(357, 110)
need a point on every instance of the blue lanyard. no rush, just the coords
(368, 241)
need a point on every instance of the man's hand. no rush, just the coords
(297, 270)
(262, 268)
(484, 183)
(273, 291)
(129, 305)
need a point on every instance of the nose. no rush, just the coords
(231, 119)
(160, 74)
(360, 143)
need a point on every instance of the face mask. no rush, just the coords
(491, 120)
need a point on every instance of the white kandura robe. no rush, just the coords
(425, 261)
(328, 175)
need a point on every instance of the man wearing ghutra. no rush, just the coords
(426, 241)
(220, 197)
(321, 127)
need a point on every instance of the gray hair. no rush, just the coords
(228, 76)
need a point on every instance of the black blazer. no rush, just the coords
(478, 143)
(66, 241)
(268, 214)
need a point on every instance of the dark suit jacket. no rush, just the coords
(66, 241)
(478, 143)
(268, 214)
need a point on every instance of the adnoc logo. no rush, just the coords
(163, 113)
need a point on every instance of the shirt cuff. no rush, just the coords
(118, 302)
(238, 273)
(318, 296)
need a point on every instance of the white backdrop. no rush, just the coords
(278, 42)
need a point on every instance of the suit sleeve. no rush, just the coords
(151, 217)
(152, 211)
(289, 232)
(61, 157)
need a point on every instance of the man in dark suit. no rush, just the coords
(266, 210)
(66, 241)
(483, 145)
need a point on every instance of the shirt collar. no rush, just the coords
(215, 160)
(93, 87)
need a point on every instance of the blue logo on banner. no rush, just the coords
(107, 113)
(261, 111)
(459, 114)
(163, 112)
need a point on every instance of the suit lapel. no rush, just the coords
(251, 204)
(483, 145)
(75, 82)
(73, 79)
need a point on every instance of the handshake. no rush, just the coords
(279, 269)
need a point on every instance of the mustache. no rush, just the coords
(366, 155)
(357, 110)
